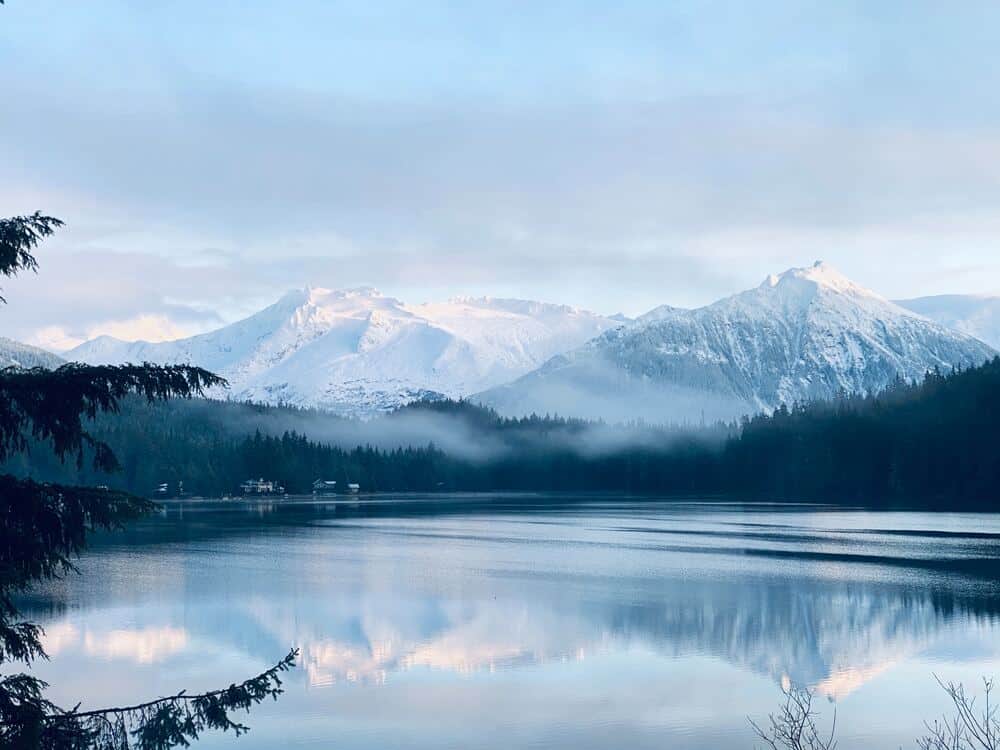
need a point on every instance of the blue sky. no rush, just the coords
(615, 156)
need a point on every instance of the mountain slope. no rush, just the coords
(806, 334)
(15, 354)
(358, 352)
(971, 314)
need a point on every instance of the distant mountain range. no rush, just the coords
(973, 315)
(807, 333)
(15, 354)
(356, 352)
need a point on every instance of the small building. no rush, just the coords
(261, 487)
(324, 487)
(167, 490)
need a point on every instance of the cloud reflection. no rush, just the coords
(148, 645)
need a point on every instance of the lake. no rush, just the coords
(532, 621)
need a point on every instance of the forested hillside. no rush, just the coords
(935, 442)
(930, 444)
(212, 446)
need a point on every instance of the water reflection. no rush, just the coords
(139, 646)
(436, 591)
(831, 638)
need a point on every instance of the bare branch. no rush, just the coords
(794, 727)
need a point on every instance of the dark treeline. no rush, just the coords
(213, 446)
(936, 443)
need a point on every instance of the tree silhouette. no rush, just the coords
(44, 526)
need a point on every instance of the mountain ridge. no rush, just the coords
(805, 334)
(357, 352)
(972, 314)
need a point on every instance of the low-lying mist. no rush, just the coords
(930, 444)
(458, 428)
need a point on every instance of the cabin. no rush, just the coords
(324, 487)
(261, 487)
(163, 490)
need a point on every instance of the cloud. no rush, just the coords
(197, 182)
(152, 328)
(77, 295)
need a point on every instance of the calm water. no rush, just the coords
(533, 622)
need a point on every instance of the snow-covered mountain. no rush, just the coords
(357, 352)
(15, 354)
(971, 314)
(805, 334)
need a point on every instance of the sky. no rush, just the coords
(207, 157)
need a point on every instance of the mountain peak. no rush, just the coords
(106, 338)
(318, 294)
(819, 274)
(660, 313)
(312, 300)
(806, 334)
(357, 352)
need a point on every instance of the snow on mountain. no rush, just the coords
(15, 354)
(805, 334)
(659, 313)
(973, 315)
(358, 352)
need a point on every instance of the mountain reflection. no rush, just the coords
(830, 639)
(369, 601)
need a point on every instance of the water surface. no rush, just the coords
(501, 622)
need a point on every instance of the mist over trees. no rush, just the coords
(929, 444)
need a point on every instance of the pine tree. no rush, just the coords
(44, 526)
